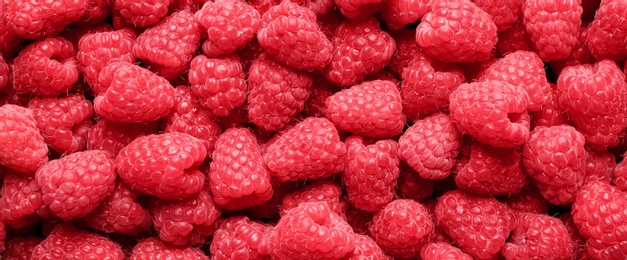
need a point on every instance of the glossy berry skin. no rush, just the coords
(504, 13)
(411, 186)
(66, 240)
(550, 114)
(398, 13)
(609, 42)
(22, 148)
(529, 199)
(580, 54)
(141, 14)
(442, 250)
(9, 42)
(154, 249)
(96, 11)
(514, 39)
(600, 166)
(21, 200)
(538, 236)
(359, 9)
(20, 248)
(112, 137)
(38, 20)
(406, 50)
(239, 238)
(366, 248)
(320, 191)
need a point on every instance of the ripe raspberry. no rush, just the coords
(5, 73)
(112, 137)
(20, 248)
(529, 199)
(579, 243)
(411, 186)
(360, 49)
(366, 248)
(514, 39)
(37, 20)
(271, 209)
(553, 26)
(168, 47)
(120, 212)
(321, 89)
(165, 165)
(538, 236)
(21, 200)
(67, 241)
(442, 250)
(22, 148)
(430, 146)
(550, 114)
(555, 159)
(132, 94)
(358, 219)
(9, 42)
(402, 228)
(398, 13)
(153, 249)
(97, 50)
(475, 70)
(406, 50)
(479, 225)
(277, 93)
(320, 191)
(371, 109)
(599, 166)
(457, 31)
(494, 112)
(360, 9)
(598, 211)
(427, 84)
(504, 13)
(580, 54)
(310, 150)
(96, 11)
(142, 14)
(311, 231)
(46, 67)
(609, 42)
(239, 238)
(229, 25)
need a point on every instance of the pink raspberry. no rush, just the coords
(239, 238)
(427, 84)
(46, 67)
(360, 49)
(538, 236)
(21, 248)
(96, 11)
(529, 199)
(320, 191)
(553, 26)
(112, 137)
(550, 114)
(165, 165)
(359, 220)
(479, 225)
(154, 249)
(22, 148)
(514, 39)
(402, 228)
(276, 93)
(411, 186)
(430, 146)
(68, 241)
(555, 159)
(366, 248)
(494, 112)
(609, 42)
(271, 209)
(599, 165)
(37, 20)
(505, 13)
(442, 250)
(406, 50)
(321, 89)
(140, 13)
(371, 109)
(311, 231)
(580, 54)
(132, 94)
(9, 42)
(5, 73)
(21, 200)
(457, 31)
(475, 70)
(579, 243)
(398, 13)
(319, 7)
(360, 9)
(229, 25)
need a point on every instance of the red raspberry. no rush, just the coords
(277, 93)
(22, 148)
(599, 166)
(96, 11)
(398, 13)
(514, 39)
(37, 20)
(411, 186)
(475, 70)
(579, 243)
(112, 137)
(46, 67)
(494, 112)
(132, 94)
(555, 159)
(442, 250)
(371, 109)
(142, 14)
(538, 236)
(120, 212)
(406, 50)
(239, 238)
(366, 248)
(320, 8)
(9, 42)
(598, 211)
(504, 13)
(271, 209)
(321, 89)
(229, 25)
(21, 200)
(430, 146)
(360, 49)
(609, 42)
(311, 231)
(153, 249)
(402, 228)
(67, 241)
(553, 26)
(550, 114)
(21, 248)
(310, 150)
(165, 165)
(580, 54)
(320, 191)
(457, 31)
(529, 199)
(360, 9)
(479, 225)
(5, 73)
(427, 84)
(97, 50)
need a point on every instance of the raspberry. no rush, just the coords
(9, 42)
(96, 11)
(555, 159)
(67, 241)
(120, 212)
(514, 39)
(112, 137)
(21, 200)
(153, 249)
(402, 228)
(430, 146)
(168, 47)
(310, 150)
(579, 248)
(580, 54)
(504, 13)
(132, 94)
(97, 50)
(21, 248)
(371, 109)
(411, 186)
(398, 13)
(550, 114)
(321, 89)
(165, 165)
(142, 14)
(494, 112)
(238, 175)
(360, 49)
(46, 67)
(475, 70)
(457, 31)
(599, 166)
(277, 93)
(5, 73)
(271, 209)
(598, 211)
(479, 225)
(311, 231)
(229, 25)
(37, 20)
(529, 199)
(609, 42)
(366, 248)
(553, 26)
(442, 250)
(538, 237)
(406, 50)
(320, 191)
(22, 148)
(238, 238)
(427, 84)
(358, 219)
(360, 9)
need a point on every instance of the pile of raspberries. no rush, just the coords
(313, 129)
